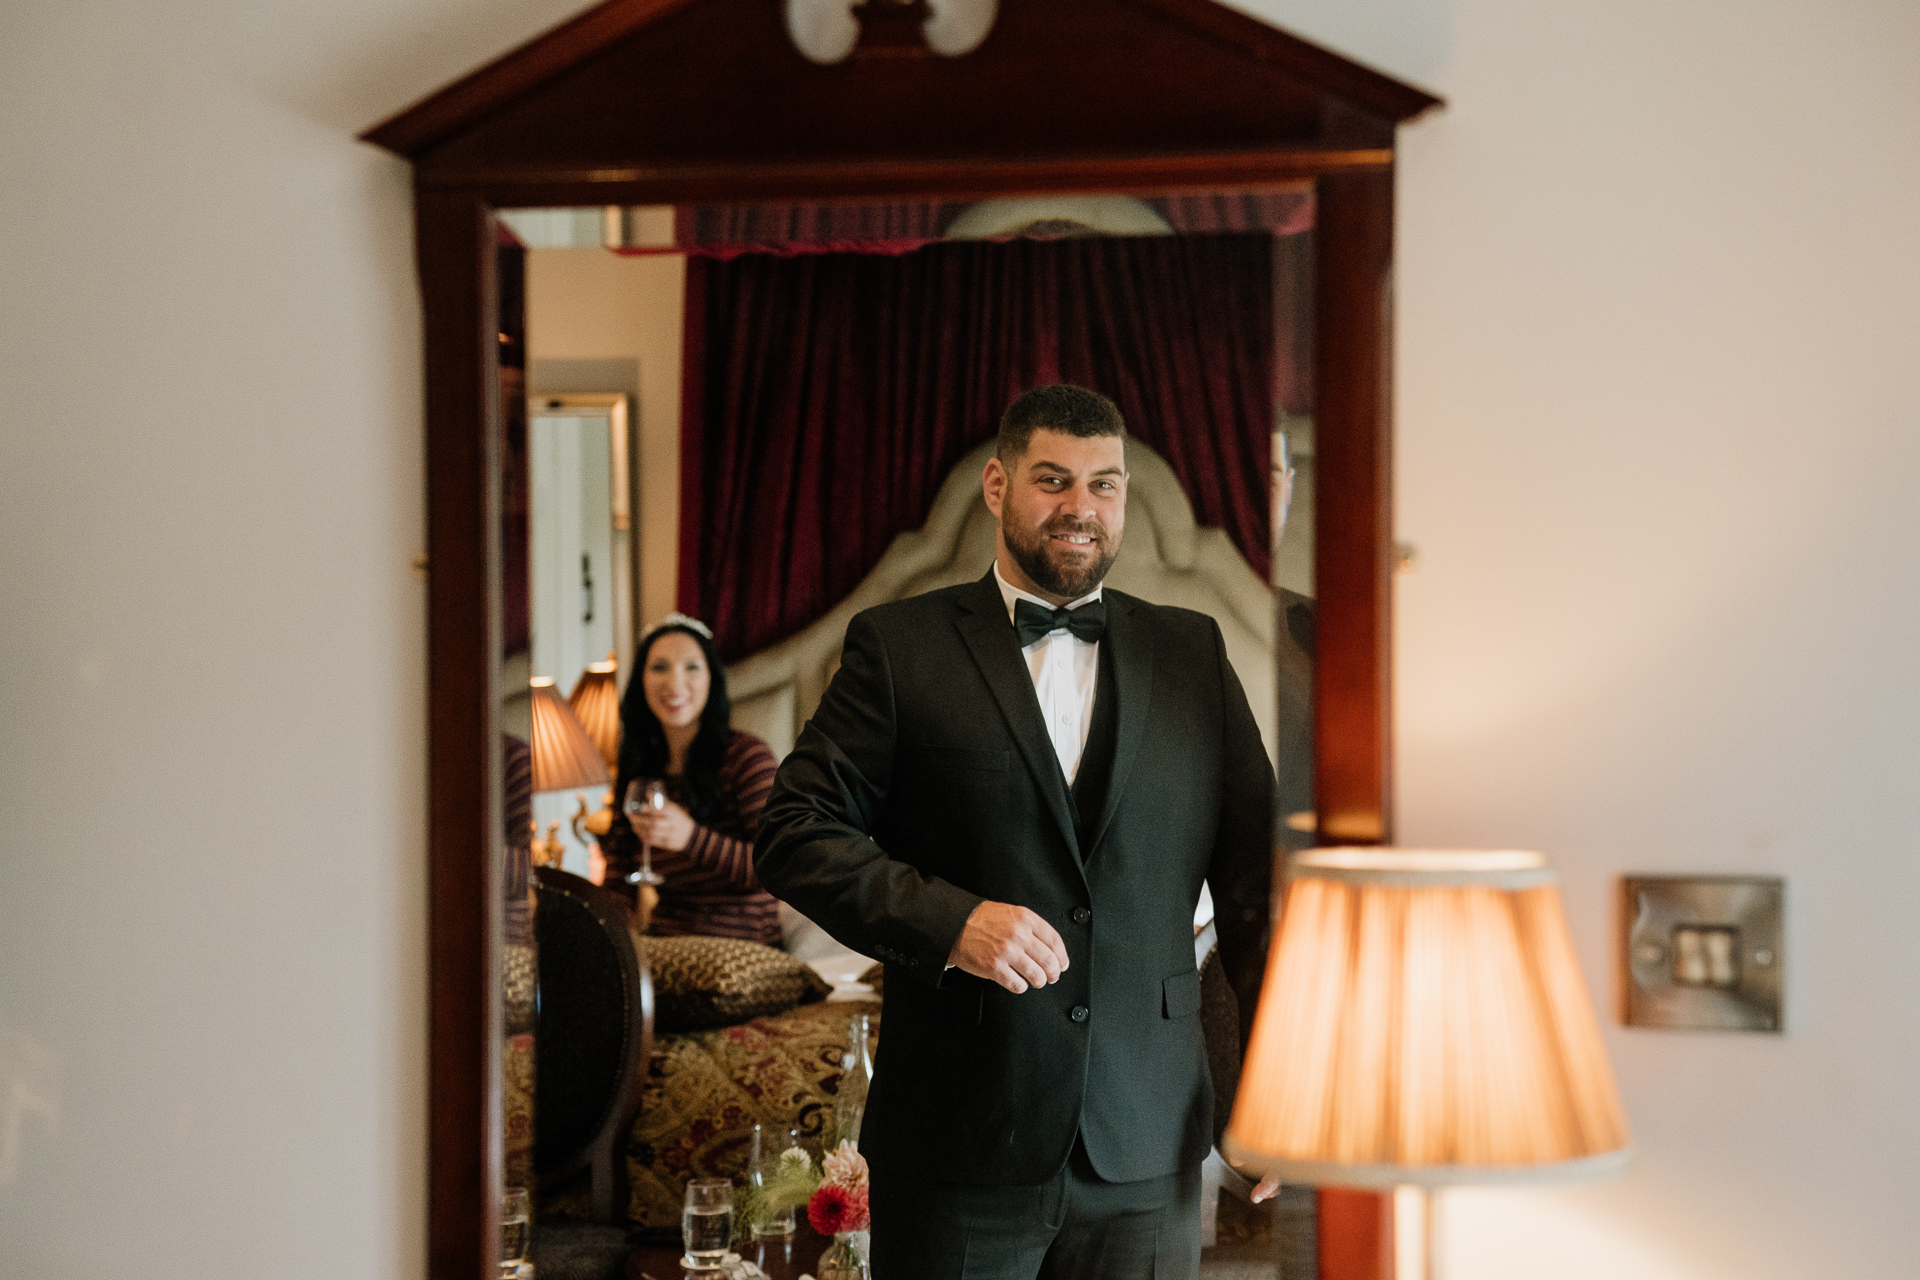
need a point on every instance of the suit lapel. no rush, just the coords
(1132, 641)
(989, 637)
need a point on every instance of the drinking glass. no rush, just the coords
(769, 1143)
(706, 1224)
(516, 1230)
(646, 795)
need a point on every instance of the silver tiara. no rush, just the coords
(682, 620)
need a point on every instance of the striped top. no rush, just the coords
(710, 886)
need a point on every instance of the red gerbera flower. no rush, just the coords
(830, 1210)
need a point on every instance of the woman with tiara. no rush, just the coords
(675, 720)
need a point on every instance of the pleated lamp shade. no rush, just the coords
(596, 705)
(1423, 1021)
(564, 757)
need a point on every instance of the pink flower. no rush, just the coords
(858, 1217)
(844, 1166)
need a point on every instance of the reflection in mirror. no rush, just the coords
(844, 390)
(591, 309)
(519, 964)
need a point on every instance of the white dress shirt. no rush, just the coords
(1065, 670)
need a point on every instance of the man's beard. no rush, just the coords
(1070, 582)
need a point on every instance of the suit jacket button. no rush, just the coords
(1079, 1013)
(1081, 915)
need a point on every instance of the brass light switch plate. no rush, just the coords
(1703, 952)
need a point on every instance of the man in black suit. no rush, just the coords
(1011, 794)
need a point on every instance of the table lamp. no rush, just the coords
(564, 758)
(596, 704)
(1423, 1023)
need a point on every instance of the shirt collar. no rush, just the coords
(1010, 594)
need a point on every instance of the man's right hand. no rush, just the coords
(1011, 946)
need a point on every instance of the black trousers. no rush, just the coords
(1074, 1226)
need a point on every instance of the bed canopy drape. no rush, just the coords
(828, 394)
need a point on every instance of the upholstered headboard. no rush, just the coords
(1164, 557)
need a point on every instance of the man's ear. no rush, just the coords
(993, 485)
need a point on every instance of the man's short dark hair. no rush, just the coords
(1070, 410)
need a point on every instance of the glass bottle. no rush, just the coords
(763, 1158)
(856, 1074)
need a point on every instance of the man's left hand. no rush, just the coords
(1269, 1185)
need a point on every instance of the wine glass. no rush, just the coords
(706, 1224)
(646, 795)
(516, 1230)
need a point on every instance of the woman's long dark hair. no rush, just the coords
(643, 743)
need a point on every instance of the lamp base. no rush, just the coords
(548, 851)
(1416, 1215)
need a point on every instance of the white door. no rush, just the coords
(573, 572)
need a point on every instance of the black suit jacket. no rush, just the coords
(926, 783)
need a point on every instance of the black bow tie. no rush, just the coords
(1032, 621)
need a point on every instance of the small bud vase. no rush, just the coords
(846, 1258)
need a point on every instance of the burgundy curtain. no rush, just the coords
(827, 396)
(516, 501)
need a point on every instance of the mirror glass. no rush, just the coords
(616, 299)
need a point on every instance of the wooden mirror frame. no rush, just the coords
(1230, 103)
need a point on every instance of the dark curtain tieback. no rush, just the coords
(1032, 621)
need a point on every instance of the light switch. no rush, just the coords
(1706, 956)
(1702, 952)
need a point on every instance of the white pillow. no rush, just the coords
(813, 946)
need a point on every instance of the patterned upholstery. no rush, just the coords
(706, 1089)
(519, 970)
(516, 1094)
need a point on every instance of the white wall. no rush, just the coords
(1659, 423)
(1658, 406)
(212, 951)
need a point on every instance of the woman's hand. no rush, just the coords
(670, 829)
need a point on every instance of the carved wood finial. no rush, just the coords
(893, 29)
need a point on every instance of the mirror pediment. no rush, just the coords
(632, 86)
